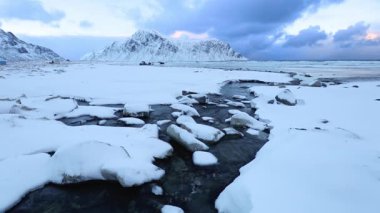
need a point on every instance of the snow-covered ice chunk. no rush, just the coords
(200, 131)
(184, 119)
(185, 138)
(286, 97)
(43, 107)
(132, 121)
(234, 111)
(200, 98)
(253, 104)
(187, 110)
(20, 175)
(253, 131)
(95, 111)
(239, 97)
(142, 141)
(222, 105)
(171, 209)
(235, 104)
(95, 160)
(204, 132)
(102, 122)
(243, 119)
(163, 122)
(157, 190)
(187, 100)
(208, 119)
(176, 114)
(232, 131)
(136, 110)
(201, 158)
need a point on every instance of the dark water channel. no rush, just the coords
(190, 187)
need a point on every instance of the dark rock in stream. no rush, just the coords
(192, 188)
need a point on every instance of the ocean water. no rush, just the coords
(366, 69)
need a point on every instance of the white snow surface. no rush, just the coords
(334, 169)
(43, 92)
(44, 107)
(117, 83)
(95, 111)
(21, 174)
(201, 158)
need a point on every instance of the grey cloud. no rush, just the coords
(307, 37)
(246, 24)
(351, 33)
(28, 10)
(354, 36)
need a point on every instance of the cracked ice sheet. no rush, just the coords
(122, 83)
(335, 169)
(23, 140)
(28, 136)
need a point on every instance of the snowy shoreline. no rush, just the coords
(34, 90)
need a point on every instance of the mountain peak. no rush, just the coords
(14, 49)
(150, 45)
(147, 35)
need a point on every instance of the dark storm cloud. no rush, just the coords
(307, 37)
(246, 24)
(353, 32)
(27, 10)
(234, 18)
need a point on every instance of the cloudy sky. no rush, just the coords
(259, 29)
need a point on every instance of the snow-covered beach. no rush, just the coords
(322, 155)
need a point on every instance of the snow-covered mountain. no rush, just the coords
(152, 46)
(14, 49)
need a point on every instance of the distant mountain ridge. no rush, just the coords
(148, 45)
(14, 49)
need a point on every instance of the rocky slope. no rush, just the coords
(14, 49)
(152, 46)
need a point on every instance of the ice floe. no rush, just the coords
(185, 138)
(201, 158)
